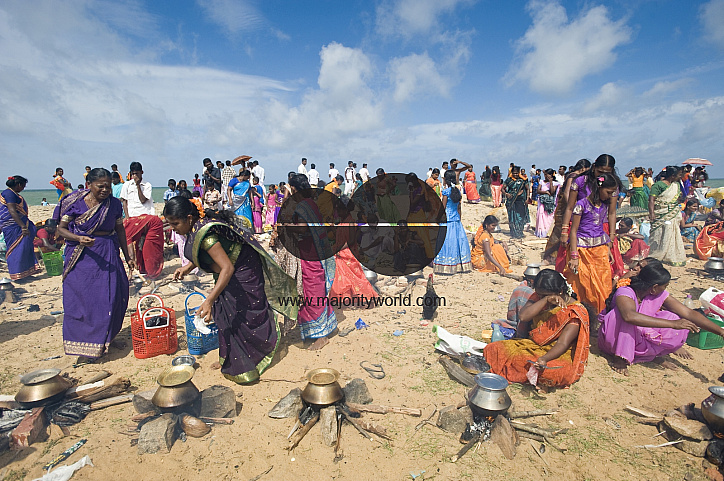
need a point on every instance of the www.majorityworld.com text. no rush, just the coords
(363, 301)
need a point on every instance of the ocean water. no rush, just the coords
(34, 197)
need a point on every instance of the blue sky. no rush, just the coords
(401, 84)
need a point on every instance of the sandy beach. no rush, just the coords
(596, 449)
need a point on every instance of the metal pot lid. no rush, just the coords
(176, 375)
(322, 376)
(5, 281)
(41, 375)
(490, 381)
(534, 266)
(717, 390)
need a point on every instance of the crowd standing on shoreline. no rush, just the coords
(607, 246)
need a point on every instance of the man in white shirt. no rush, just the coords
(258, 172)
(364, 173)
(349, 176)
(144, 229)
(560, 175)
(226, 175)
(333, 173)
(136, 194)
(313, 176)
(302, 169)
(429, 172)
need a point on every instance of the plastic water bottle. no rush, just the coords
(689, 302)
(497, 335)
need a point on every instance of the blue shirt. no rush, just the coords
(169, 194)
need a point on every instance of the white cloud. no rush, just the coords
(416, 74)
(711, 15)
(408, 18)
(667, 87)
(234, 16)
(556, 53)
(610, 95)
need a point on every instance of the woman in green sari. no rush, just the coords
(516, 193)
(248, 290)
(665, 214)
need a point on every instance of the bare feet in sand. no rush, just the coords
(619, 365)
(683, 354)
(666, 364)
(318, 344)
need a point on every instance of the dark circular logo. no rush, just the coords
(394, 224)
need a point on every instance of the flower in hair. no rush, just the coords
(623, 283)
(569, 289)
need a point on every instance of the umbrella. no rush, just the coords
(697, 161)
(242, 158)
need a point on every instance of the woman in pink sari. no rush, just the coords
(257, 194)
(273, 204)
(496, 186)
(645, 322)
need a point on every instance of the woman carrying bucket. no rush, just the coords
(238, 303)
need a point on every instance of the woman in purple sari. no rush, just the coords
(18, 230)
(645, 322)
(95, 285)
(250, 287)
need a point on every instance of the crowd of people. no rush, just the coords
(606, 258)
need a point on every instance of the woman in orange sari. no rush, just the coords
(471, 186)
(489, 255)
(555, 352)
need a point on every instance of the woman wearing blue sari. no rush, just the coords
(454, 256)
(95, 285)
(515, 203)
(240, 194)
(18, 230)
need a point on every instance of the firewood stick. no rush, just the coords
(217, 420)
(303, 431)
(140, 417)
(530, 414)
(542, 439)
(537, 451)
(356, 425)
(535, 437)
(540, 431)
(125, 398)
(84, 389)
(379, 409)
(380, 431)
(465, 448)
(337, 446)
(99, 376)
